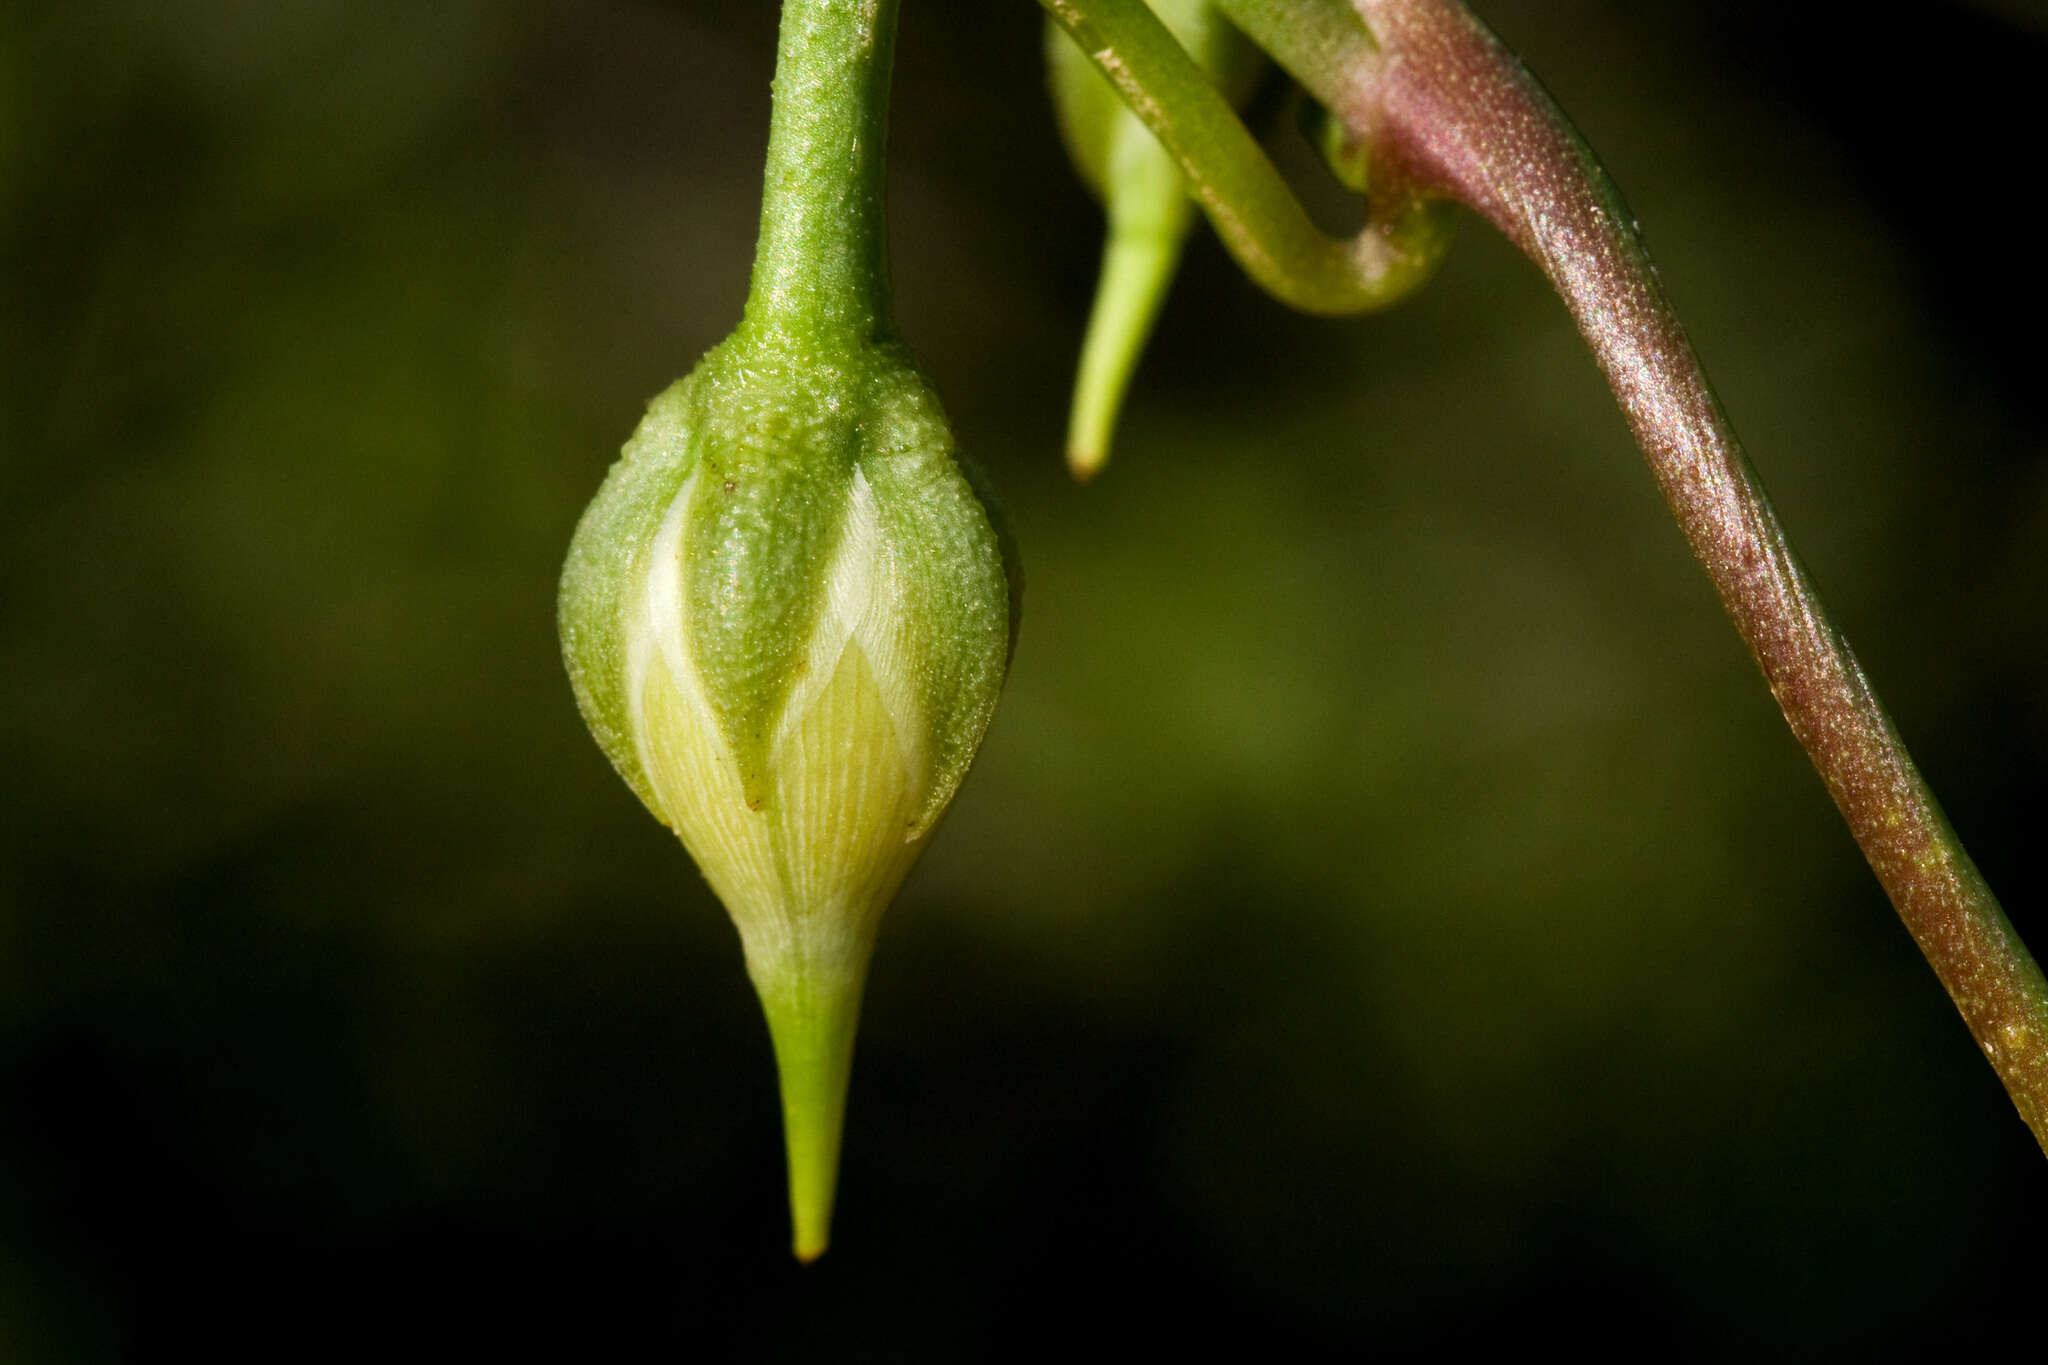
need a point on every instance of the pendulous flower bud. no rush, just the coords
(788, 612)
(787, 616)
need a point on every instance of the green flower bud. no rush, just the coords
(782, 535)
(787, 616)
(788, 612)
(1146, 200)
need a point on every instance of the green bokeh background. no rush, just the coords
(1388, 910)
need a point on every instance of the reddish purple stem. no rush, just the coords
(1447, 107)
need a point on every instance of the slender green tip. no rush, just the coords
(1137, 268)
(812, 1022)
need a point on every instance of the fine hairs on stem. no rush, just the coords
(1445, 112)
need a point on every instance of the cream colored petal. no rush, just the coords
(810, 872)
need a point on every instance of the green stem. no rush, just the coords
(1230, 176)
(823, 256)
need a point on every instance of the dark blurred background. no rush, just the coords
(1388, 909)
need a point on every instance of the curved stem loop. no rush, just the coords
(1252, 209)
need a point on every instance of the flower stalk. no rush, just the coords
(822, 261)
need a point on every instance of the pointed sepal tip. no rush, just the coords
(813, 1013)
